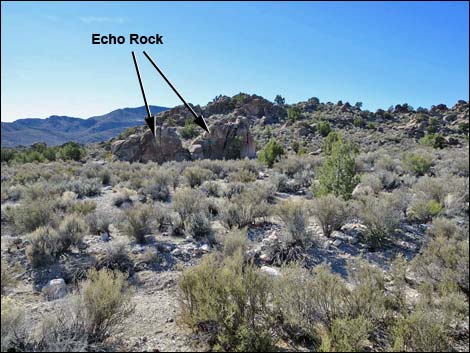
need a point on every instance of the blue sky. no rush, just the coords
(377, 53)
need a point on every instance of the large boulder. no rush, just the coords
(226, 140)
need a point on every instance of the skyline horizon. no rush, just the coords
(378, 53)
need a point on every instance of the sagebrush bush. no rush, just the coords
(98, 222)
(234, 297)
(381, 216)
(105, 300)
(45, 246)
(71, 231)
(330, 212)
(13, 328)
(294, 214)
(235, 241)
(196, 175)
(199, 226)
(137, 222)
(187, 202)
(121, 198)
(29, 216)
(85, 187)
(115, 257)
(420, 331)
(244, 208)
(211, 188)
(159, 187)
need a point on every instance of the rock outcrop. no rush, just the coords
(226, 140)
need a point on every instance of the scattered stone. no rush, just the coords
(177, 252)
(55, 289)
(271, 271)
(337, 242)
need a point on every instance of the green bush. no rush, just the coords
(419, 332)
(433, 140)
(347, 335)
(233, 296)
(324, 128)
(187, 202)
(331, 213)
(13, 328)
(235, 241)
(359, 122)
(338, 173)
(293, 113)
(271, 153)
(417, 164)
(190, 130)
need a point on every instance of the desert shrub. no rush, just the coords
(422, 209)
(433, 140)
(293, 113)
(7, 277)
(199, 226)
(338, 173)
(45, 246)
(121, 198)
(159, 187)
(211, 188)
(433, 188)
(187, 202)
(98, 222)
(71, 151)
(105, 298)
(235, 241)
(85, 187)
(242, 176)
(271, 153)
(115, 257)
(443, 227)
(328, 142)
(137, 222)
(190, 130)
(444, 262)
(347, 335)
(83, 208)
(63, 331)
(290, 165)
(13, 328)
(233, 297)
(381, 216)
(294, 214)
(372, 181)
(31, 215)
(243, 209)
(359, 122)
(232, 189)
(324, 128)
(419, 332)
(417, 164)
(330, 212)
(306, 299)
(196, 175)
(71, 231)
(367, 298)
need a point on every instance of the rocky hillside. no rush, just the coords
(243, 119)
(57, 130)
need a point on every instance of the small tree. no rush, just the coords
(338, 173)
(279, 100)
(271, 152)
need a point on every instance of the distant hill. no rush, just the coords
(57, 130)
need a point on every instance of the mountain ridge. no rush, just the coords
(58, 129)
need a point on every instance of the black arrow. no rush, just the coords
(150, 120)
(198, 119)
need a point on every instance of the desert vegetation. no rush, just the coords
(352, 238)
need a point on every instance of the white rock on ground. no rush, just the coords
(55, 289)
(270, 271)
